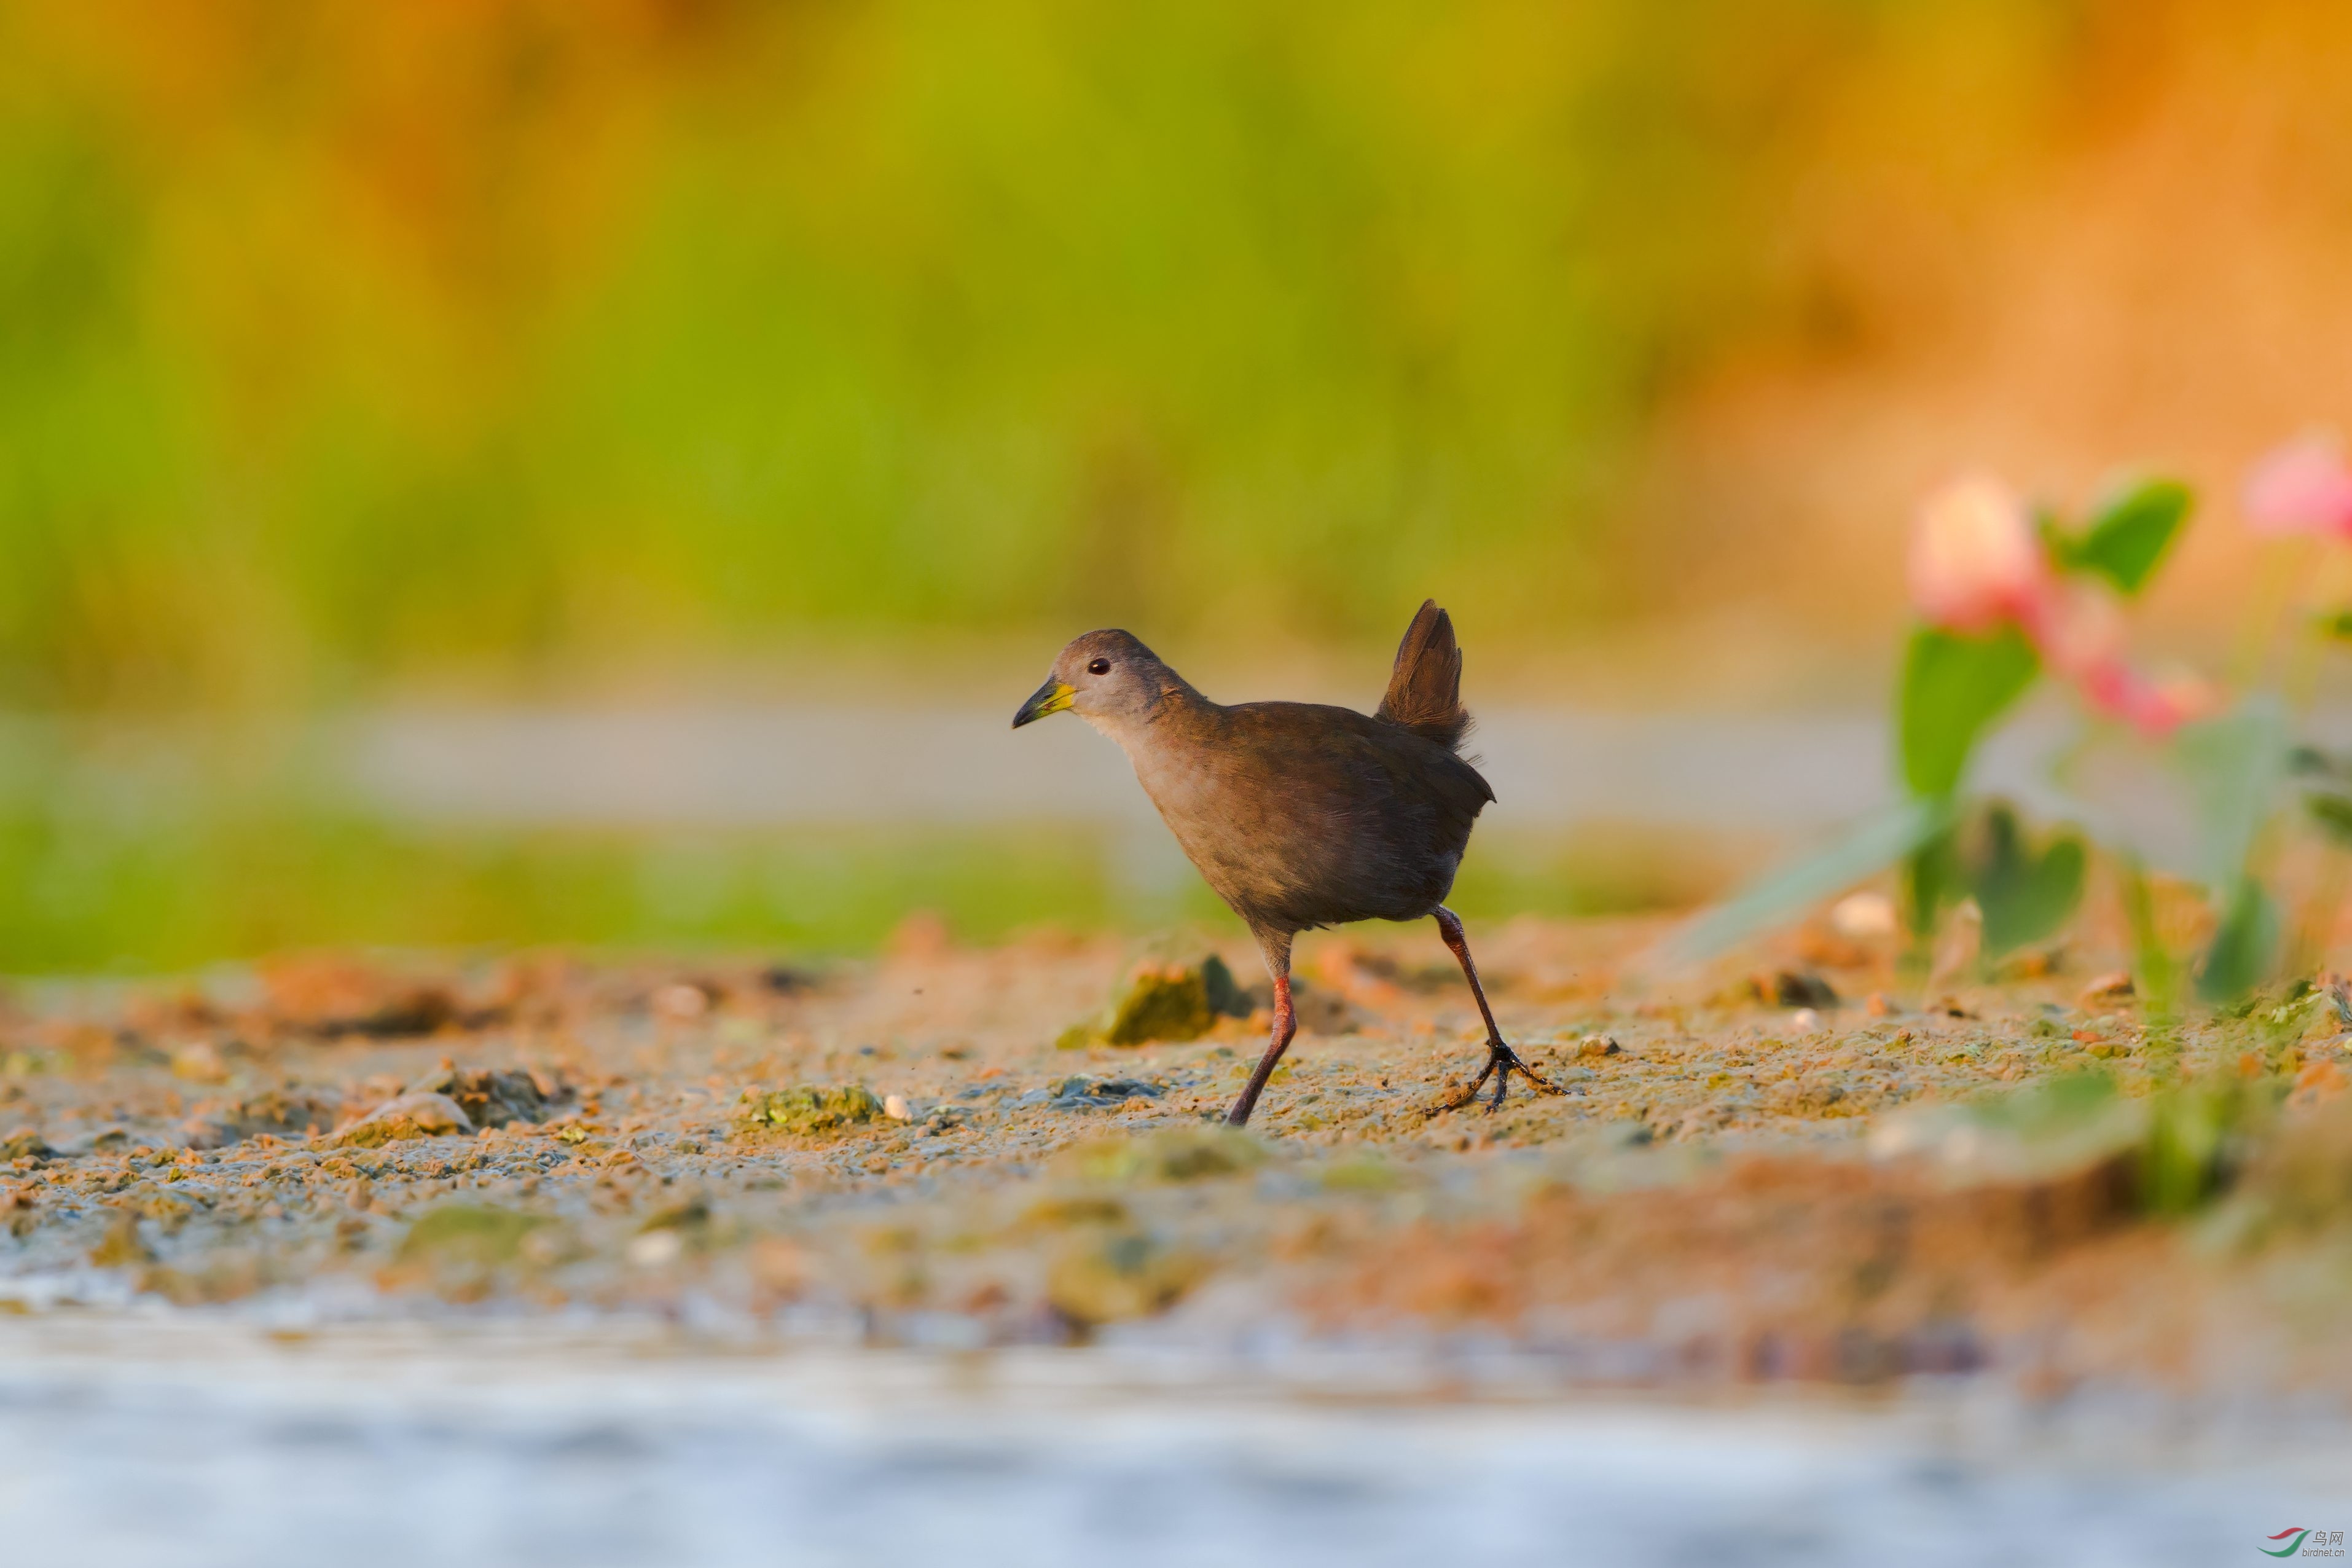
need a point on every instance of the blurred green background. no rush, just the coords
(526, 351)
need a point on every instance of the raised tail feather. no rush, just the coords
(1425, 693)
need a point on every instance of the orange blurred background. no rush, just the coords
(614, 351)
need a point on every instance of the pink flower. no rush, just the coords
(2077, 627)
(1977, 563)
(2154, 708)
(1975, 559)
(2079, 632)
(2304, 487)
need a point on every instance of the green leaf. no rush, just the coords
(2333, 813)
(2336, 623)
(1952, 688)
(2235, 763)
(2024, 893)
(2240, 957)
(1931, 880)
(2153, 969)
(2128, 534)
(2180, 1162)
(1876, 844)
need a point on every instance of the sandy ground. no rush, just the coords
(657, 1261)
(1730, 1190)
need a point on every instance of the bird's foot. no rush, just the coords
(1501, 1063)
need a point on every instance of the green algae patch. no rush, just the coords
(471, 1252)
(467, 1234)
(1126, 1274)
(810, 1110)
(227, 1277)
(1071, 1211)
(1174, 1155)
(694, 1215)
(1361, 1174)
(121, 1247)
(1160, 1004)
(1165, 1002)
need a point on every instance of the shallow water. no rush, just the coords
(176, 1439)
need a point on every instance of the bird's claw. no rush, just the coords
(1501, 1063)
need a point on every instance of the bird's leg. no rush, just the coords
(1286, 1024)
(1501, 1060)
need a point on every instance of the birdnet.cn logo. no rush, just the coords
(2296, 1542)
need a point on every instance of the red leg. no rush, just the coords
(1286, 1024)
(1501, 1060)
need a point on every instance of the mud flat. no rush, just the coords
(580, 1260)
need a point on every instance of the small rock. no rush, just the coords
(896, 1107)
(655, 1248)
(413, 1115)
(493, 1098)
(1321, 1011)
(2115, 985)
(199, 1061)
(1801, 989)
(1081, 1094)
(275, 1112)
(682, 1002)
(1804, 1021)
(24, 1142)
(1858, 917)
(328, 994)
(786, 981)
(1963, 941)
(1226, 998)
(1598, 1045)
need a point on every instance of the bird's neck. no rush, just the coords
(1175, 708)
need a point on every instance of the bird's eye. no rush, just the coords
(1099, 667)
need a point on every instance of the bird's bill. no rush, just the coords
(1048, 698)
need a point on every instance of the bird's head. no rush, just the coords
(1105, 678)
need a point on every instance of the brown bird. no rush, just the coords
(1302, 816)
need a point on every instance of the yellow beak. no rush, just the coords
(1048, 698)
